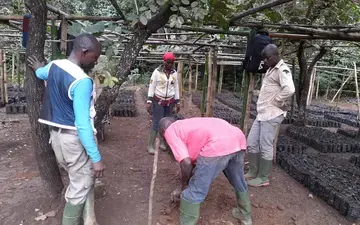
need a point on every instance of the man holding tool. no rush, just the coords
(205, 147)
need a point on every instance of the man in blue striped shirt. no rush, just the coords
(68, 108)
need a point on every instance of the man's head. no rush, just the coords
(271, 55)
(86, 50)
(164, 123)
(169, 59)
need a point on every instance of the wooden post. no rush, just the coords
(204, 90)
(357, 90)
(2, 78)
(214, 81)
(343, 80)
(180, 69)
(209, 87)
(317, 87)
(13, 69)
(196, 76)
(245, 91)
(309, 94)
(5, 81)
(221, 78)
(190, 83)
(63, 44)
(293, 70)
(54, 48)
(248, 102)
(18, 75)
(312, 90)
(342, 85)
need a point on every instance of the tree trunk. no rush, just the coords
(305, 80)
(128, 58)
(34, 90)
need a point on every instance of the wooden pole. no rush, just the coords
(204, 90)
(2, 78)
(343, 79)
(152, 185)
(18, 75)
(342, 85)
(248, 102)
(357, 90)
(54, 48)
(214, 81)
(309, 94)
(293, 70)
(180, 69)
(5, 81)
(63, 44)
(190, 83)
(317, 87)
(221, 78)
(196, 76)
(13, 69)
(209, 88)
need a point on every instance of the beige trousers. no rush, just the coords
(72, 156)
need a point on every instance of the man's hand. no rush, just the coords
(34, 63)
(175, 195)
(98, 169)
(148, 107)
(186, 167)
(177, 108)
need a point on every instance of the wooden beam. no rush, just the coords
(341, 87)
(5, 80)
(214, 81)
(69, 17)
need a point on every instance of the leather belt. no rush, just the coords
(163, 102)
(64, 131)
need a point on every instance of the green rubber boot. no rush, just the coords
(150, 147)
(89, 209)
(189, 213)
(243, 210)
(253, 166)
(263, 175)
(163, 146)
(73, 214)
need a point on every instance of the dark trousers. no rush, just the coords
(159, 112)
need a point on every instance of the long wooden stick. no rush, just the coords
(357, 89)
(342, 85)
(156, 156)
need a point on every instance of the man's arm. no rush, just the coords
(181, 154)
(287, 85)
(152, 86)
(81, 94)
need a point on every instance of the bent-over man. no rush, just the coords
(205, 147)
(68, 109)
(163, 95)
(277, 87)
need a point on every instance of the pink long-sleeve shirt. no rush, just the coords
(208, 137)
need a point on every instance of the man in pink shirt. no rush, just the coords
(205, 147)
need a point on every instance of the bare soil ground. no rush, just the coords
(125, 198)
